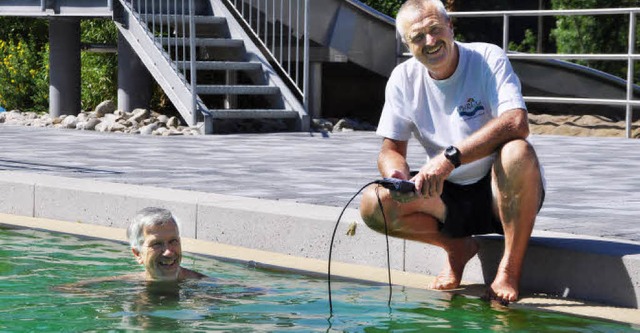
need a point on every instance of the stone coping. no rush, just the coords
(340, 270)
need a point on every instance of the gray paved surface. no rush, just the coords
(592, 183)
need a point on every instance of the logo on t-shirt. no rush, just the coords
(471, 109)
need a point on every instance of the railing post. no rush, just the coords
(630, 72)
(305, 84)
(192, 62)
(505, 32)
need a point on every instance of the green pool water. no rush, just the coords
(239, 298)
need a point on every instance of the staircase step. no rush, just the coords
(237, 90)
(215, 42)
(223, 65)
(172, 19)
(252, 113)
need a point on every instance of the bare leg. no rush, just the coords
(459, 252)
(517, 189)
(416, 221)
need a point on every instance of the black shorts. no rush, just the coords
(470, 209)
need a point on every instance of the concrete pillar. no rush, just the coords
(64, 66)
(315, 89)
(135, 83)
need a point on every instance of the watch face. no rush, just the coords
(449, 151)
(453, 154)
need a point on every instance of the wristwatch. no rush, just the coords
(453, 155)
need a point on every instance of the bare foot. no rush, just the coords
(504, 288)
(457, 259)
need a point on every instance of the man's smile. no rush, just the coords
(433, 50)
(167, 263)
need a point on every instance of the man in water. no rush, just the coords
(154, 237)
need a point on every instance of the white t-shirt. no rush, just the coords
(440, 113)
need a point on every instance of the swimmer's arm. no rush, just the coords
(78, 287)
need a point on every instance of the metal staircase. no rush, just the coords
(188, 43)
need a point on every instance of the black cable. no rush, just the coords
(386, 236)
(335, 229)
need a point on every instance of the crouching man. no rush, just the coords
(462, 102)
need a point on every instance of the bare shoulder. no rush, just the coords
(186, 273)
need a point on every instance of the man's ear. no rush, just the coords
(137, 255)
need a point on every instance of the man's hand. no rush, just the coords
(402, 197)
(430, 180)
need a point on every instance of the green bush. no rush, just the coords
(21, 75)
(99, 70)
(24, 64)
(527, 45)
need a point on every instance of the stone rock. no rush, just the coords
(82, 117)
(116, 127)
(3, 115)
(102, 126)
(161, 131)
(104, 108)
(90, 124)
(30, 115)
(14, 116)
(162, 119)
(122, 114)
(69, 121)
(43, 121)
(344, 124)
(173, 122)
(148, 129)
(139, 115)
(131, 123)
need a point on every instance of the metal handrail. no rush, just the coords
(166, 21)
(283, 18)
(630, 56)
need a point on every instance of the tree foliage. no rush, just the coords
(388, 7)
(24, 81)
(589, 34)
(99, 70)
(24, 63)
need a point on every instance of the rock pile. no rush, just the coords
(106, 118)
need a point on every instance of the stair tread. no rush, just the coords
(252, 113)
(225, 42)
(237, 89)
(222, 65)
(198, 19)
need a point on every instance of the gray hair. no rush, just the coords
(419, 6)
(147, 217)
